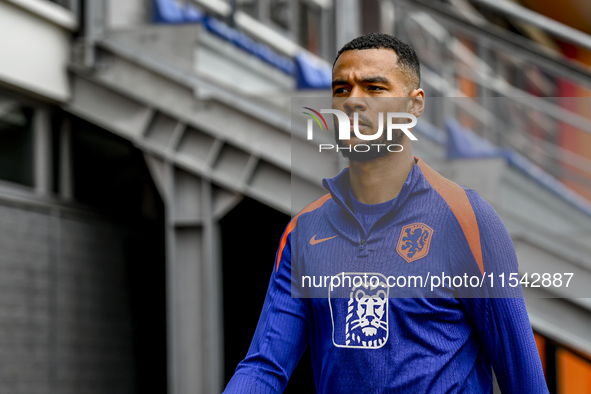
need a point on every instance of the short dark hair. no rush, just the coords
(407, 57)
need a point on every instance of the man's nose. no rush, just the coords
(355, 104)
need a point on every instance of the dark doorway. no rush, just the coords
(251, 233)
(111, 177)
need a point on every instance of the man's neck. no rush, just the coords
(380, 180)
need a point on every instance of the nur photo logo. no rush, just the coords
(348, 127)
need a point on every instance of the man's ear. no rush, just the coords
(416, 104)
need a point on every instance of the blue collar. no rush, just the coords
(339, 186)
(370, 209)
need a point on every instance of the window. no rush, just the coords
(251, 7)
(64, 3)
(16, 142)
(309, 27)
(279, 13)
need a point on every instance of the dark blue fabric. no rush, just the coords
(444, 343)
(310, 74)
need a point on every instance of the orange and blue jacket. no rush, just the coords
(384, 327)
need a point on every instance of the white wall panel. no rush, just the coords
(35, 52)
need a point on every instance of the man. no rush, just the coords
(389, 215)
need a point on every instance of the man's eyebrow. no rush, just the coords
(339, 81)
(375, 79)
(372, 79)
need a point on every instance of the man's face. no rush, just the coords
(368, 82)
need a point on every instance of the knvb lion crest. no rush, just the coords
(414, 241)
(360, 321)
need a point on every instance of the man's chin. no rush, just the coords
(351, 149)
(361, 156)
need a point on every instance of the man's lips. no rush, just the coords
(361, 124)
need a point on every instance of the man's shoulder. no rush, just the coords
(483, 210)
(315, 206)
(454, 196)
(490, 223)
(473, 214)
(460, 199)
(291, 226)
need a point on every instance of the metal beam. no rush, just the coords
(42, 151)
(66, 169)
(211, 294)
(194, 290)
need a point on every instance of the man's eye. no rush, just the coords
(340, 90)
(375, 88)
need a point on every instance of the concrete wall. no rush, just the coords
(128, 14)
(65, 320)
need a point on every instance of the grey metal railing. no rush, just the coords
(548, 25)
(452, 48)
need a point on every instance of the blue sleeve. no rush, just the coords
(500, 316)
(280, 339)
